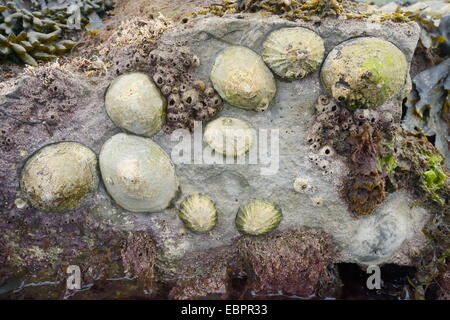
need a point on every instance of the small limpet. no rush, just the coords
(258, 217)
(198, 213)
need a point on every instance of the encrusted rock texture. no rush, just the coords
(153, 255)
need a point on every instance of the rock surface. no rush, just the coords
(393, 229)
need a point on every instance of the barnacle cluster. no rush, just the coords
(35, 31)
(59, 176)
(188, 99)
(356, 135)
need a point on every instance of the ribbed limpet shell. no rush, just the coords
(135, 104)
(258, 217)
(293, 53)
(137, 173)
(242, 79)
(364, 72)
(198, 213)
(229, 136)
(59, 176)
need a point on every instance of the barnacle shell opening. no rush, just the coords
(293, 53)
(198, 213)
(137, 173)
(241, 78)
(135, 104)
(258, 217)
(59, 176)
(364, 72)
(229, 136)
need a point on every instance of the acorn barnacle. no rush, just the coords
(364, 72)
(293, 53)
(242, 79)
(135, 104)
(198, 213)
(59, 176)
(258, 217)
(229, 136)
(137, 173)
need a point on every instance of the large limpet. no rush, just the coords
(258, 217)
(364, 72)
(242, 79)
(137, 173)
(293, 53)
(229, 136)
(135, 104)
(59, 176)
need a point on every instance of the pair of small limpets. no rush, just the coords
(257, 217)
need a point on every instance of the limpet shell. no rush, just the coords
(198, 213)
(59, 176)
(229, 136)
(364, 72)
(258, 217)
(135, 104)
(242, 79)
(137, 173)
(293, 53)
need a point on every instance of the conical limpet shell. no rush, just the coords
(229, 136)
(293, 53)
(364, 72)
(258, 217)
(198, 213)
(135, 104)
(137, 173)
(59, 176)
(242, 79)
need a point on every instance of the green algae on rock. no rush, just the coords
(229, 136)
(364, 72)
(137, 173)
(258, 217)
(293, 53)
(135, 104)
(59, 176)
(198, 213)
(242, 79)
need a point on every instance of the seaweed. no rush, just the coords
(291, 9)
(33, 31)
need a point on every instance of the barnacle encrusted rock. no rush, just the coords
(198, 213)
(59, 176)
(137, 173)
(134, 103)
(242, 79)
(258, 217)
(229, 136)
(293, 53)
(364, 72)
